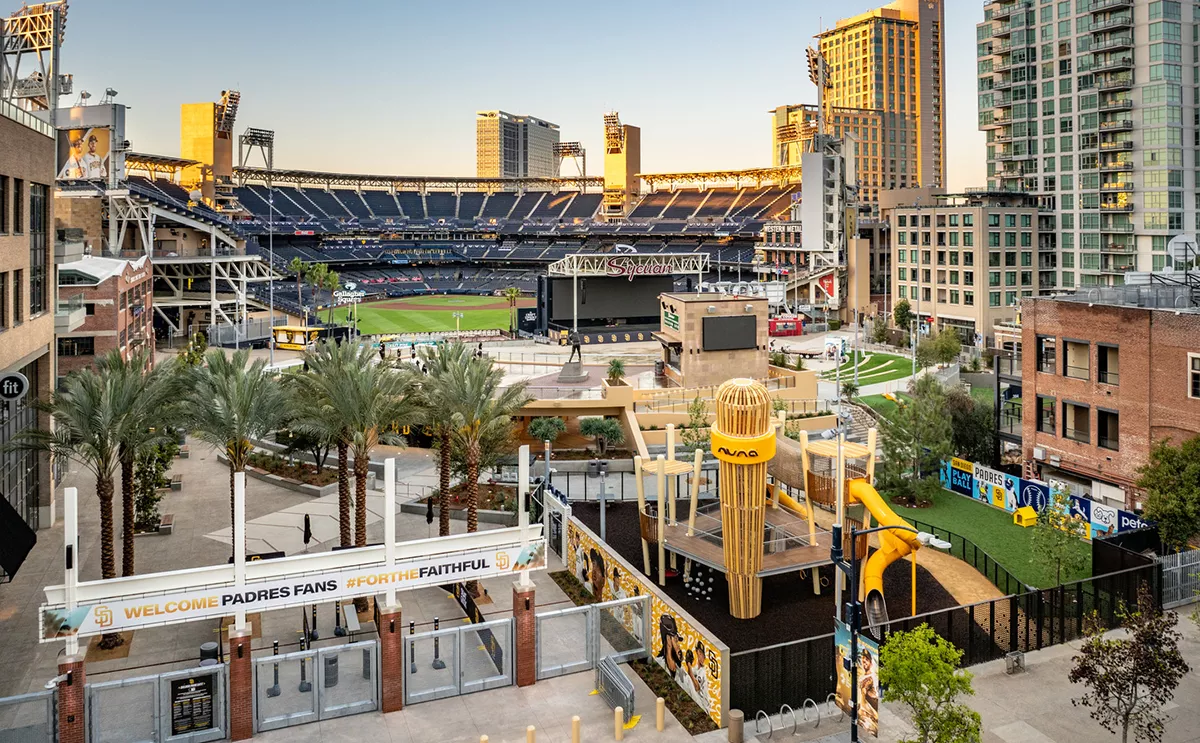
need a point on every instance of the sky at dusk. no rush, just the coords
(392, 87)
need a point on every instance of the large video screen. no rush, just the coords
(83, 153)
(606, 298)
(730, 333)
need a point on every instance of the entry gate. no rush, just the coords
(311, 685)
(174, 707)
(28, 718)
(458, 660)
(575, 639)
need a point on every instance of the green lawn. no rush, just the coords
(874, 368)
(373, 320)
(995, 533)
(881, 404)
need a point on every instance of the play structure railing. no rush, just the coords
(970, 553)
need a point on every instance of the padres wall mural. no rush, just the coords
(677, 642)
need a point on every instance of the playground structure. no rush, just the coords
(764, 522)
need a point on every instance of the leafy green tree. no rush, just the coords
(915, 438)
(438, 396)
(149, 480)
(902, 314)
(192, 355)
(298, 267)
(604, 430)
(947, 345)
(973, 424)
(333, 282)
(143, 395)
(233, 402)
(927, 353)
(1130, 677)
(879, 330)
(87, 427)
(616, 372)
(1171, 479)
(547, 428)
(920, 670)
(695, 432)
(849, 390)
(1056, 537)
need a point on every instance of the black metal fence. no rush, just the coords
(580, 486)
(970, 553)
(766, 678)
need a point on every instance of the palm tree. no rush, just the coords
(232, 403)
(332, 282)
(512, 294)
(86, 428)
(320, 396)
(298, 267)
(315, 275)
(438, 397)
(141, 398)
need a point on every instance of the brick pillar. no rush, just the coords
(524, 607)
(391, 658)
(72, 727)
(241, 685)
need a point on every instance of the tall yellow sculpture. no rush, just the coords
(743, 439)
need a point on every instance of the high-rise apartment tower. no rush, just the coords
(510, 146)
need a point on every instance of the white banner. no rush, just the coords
(188, 605)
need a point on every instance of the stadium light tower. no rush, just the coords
(574, 151)
(263, 141)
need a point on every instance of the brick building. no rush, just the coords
(118, 298)
(1104, 375)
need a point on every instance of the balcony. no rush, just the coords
(1002, 30)
(1116, 125)
(1120, 104)
(1117, 229)
(1116, 186)
(1114, 206)
(1117, 164)
(1113, 42)
(1112, 22)
(70, 314)
(1118, 248)
(1122, 81)
(1004, 11)
(1002, 85)
(1099, 6)
(1113, 63)
(1120, 268)
(1118, 145)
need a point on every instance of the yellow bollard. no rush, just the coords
(660, 714)
(575, 729)
(618, 724)
(530, 735)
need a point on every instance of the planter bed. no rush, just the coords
(286, 482)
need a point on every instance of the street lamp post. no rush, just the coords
(854, 606)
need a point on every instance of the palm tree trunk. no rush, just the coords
(299, 300)
(361, 465)
(473, 501)
(444, 484)
(108, 562)
(127, 511)
(232, 509)
(343, 493)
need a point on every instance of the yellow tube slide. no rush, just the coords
(893, 545)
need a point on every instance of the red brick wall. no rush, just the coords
(391, 658)
(107, 322)
(1151, 396)
(72, 727)
(241, 686)
(526, 634)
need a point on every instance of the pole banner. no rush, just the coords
(203, 602)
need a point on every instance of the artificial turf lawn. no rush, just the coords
(994, 532)
(376, 320)
(877, 367)
(881, 404)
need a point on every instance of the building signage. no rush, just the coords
(625, 266)
(13, 386)
(990, 487)
(350, 294)
(124, 614)
(671, 320)
(192, 704)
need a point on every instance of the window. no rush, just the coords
(1076, 361)
(3, 204)
(18, 206)
(18, 294)
(4, 301)
(1076, 425)
(1194, 375)
(1045, 354)
(1108, 429)
(1045, 415)
(77, 346)
(38, 295)
(1108, 365)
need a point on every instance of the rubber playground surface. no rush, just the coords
(432, 313)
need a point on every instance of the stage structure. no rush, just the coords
(626, 266)
(34, 33)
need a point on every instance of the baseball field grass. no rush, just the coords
(430, 314)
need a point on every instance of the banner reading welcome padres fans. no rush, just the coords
(278, 593)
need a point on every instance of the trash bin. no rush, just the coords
(603, 467)
(660, 368)
(593, 468)
(331, 671)
(1014, 662)
(209, 651)
(370, 480)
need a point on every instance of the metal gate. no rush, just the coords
(173, 707)
(458, 660)
(311, 685)
(1181, 578)
(573, 640)
(28, 718)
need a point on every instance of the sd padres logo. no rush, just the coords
(502, 560)
(104, 617)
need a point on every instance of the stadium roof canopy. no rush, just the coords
(246, 174)
(756, 176)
